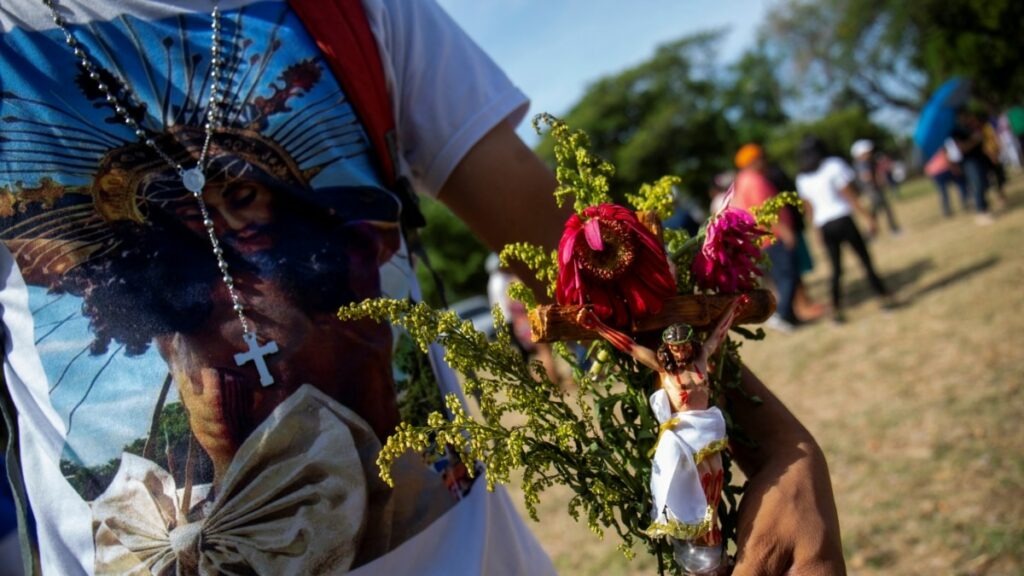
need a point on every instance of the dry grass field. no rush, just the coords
(919, 410)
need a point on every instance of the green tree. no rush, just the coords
(663, 116)
(891, 53)
(456, 256)
(980, 39)
(172, 440)
(754, 96)
(681, 112)
(838, 130)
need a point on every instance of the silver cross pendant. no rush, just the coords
(257, 354)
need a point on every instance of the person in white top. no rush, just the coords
(499, 280)
(142, 438)
(871, 183)
(826, 185)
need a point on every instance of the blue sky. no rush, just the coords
(120, 392)
(553, 49)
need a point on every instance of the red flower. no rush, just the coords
(727, 262)
(609, 260)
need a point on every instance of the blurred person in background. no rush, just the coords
(752, 188)
(993, 149)
(718, 191)
(1012, 126)
(826, 184)
(516, 319)
(886, 174)
(975, 163)
(806, 310)
(942, 171)
(1009, 143)
(687, 216)
(868, 182)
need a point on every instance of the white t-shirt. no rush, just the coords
(140, 434)
(952, 151)
(823, 189)
(498, 284)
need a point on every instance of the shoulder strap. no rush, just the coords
(343, 34)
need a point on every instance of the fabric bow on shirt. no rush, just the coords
(299, 497)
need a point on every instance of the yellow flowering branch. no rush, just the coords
(594, 441)
(767, 213)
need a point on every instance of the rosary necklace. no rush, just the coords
(193, 179)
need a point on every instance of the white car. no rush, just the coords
(477, 310)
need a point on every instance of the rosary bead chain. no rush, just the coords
(212, 121)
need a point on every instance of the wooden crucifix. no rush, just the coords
(687, 474)
(554, 323)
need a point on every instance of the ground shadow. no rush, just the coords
(856, 289)
(900, 281)
(953, 277)
(960, 209)
(1013, 202)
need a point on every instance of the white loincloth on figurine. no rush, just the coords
(680, 507)
(301, 496)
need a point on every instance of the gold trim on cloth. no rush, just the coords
(682, 530)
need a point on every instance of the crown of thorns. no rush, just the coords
(677, 334)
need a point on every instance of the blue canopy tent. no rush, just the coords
(939, 116)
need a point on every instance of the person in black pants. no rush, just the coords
(835, 233)
(826, 184)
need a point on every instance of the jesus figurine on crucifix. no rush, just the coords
(687, 475)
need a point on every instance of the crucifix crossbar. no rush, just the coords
(553, 323)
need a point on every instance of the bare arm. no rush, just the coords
(623, 342)
(785, 234)
(718, 334)
(503, 191)
(850, 195)
(788, 518)
(808, 213)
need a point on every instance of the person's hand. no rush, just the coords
(872, 226)
(787, 519)
(786, 235)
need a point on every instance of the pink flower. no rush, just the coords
(608, 259)
(727, 262)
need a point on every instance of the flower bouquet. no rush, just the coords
(642, 440)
